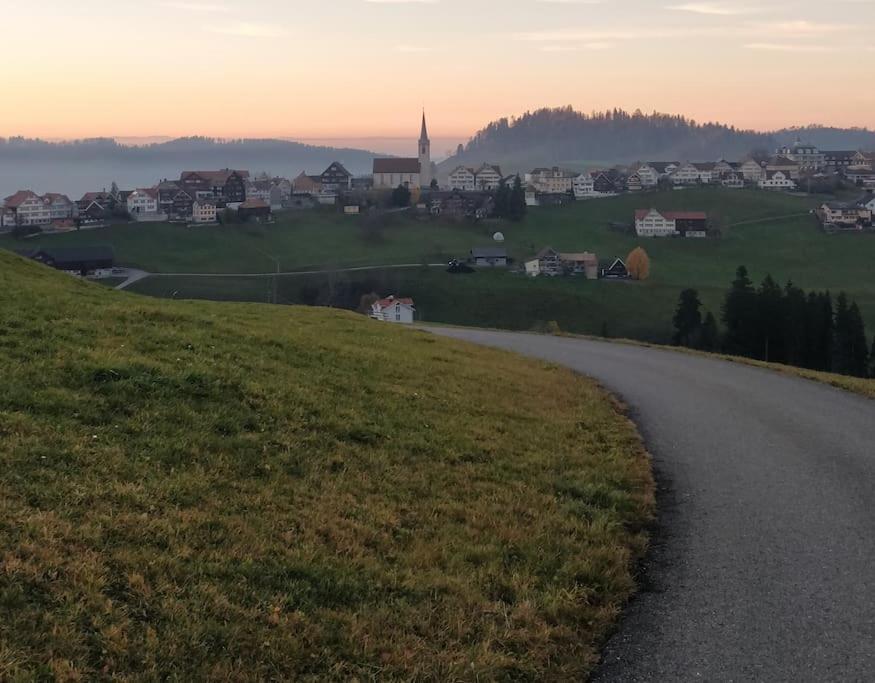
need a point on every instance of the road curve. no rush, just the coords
(763, 565)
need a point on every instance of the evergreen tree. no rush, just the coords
(841, 360)
(796, 332)
(687, 318)
(401, 196)
(769, 331)
(872, 360)
(502, 201)
(739, 315)
(518, 206)
(858, 352)
(709, 337)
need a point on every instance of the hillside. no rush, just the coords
(572, 139)
(242, 492)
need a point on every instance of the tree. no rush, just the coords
(401, 196)
(687, 318)
(638, 264)
(434, 184)
(739, 315)
(851, 351)
(872, 360)
(709, 337)
(769, 331)
(517, 207)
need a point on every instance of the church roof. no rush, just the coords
(423, 136)
(397, 166)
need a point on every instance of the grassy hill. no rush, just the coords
(770, 233)
(242, 492)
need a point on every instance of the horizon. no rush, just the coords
(739, 63)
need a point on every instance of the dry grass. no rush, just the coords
(199, 491)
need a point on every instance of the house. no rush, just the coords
(60, 206)
(182, 205)
(392, 310)
(488, 177)
(204, 211)
(583, 186)
(100, 204)
(307, 184)
(227, 186)
(256, 209)
(752, 170)
(27, 208)
(733, 180)
(843, 215)
(583, 263)
(777, 180)
(551, 180)
(687, 174)
(634, 184)
(654, 223)
(258, 189)
(458, 204)
(787, 166)
(412, 173)
(839, 160)
(463, 178)
(653, 171)
(614, 271)
(489, 257)
(548, 261)
(808, 157)
(863, 160)
(142, 204)
(335, 178)
(867, 202)
(603, 185)
(79, 260)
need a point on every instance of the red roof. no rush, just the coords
(673, 215)
(391, 301)
(16, 200)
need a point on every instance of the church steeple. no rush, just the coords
(424, 155)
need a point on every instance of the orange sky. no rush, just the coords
(356, 68)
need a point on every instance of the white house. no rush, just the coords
(142, 202)
(392, 310)
(203, 211)
(651, 172)
(867, 202)
(27, 208)
(463, 178)
(652, 223)
(487, 177)
(686, 174)
(777, 180)
(752, 171)
(583, 186)
(552, 180)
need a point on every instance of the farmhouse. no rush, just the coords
(28, 208)
(615, 270)
(867, 202)
(777, 180)
(307, 184)
(227, 186)
(203, 211)
(334, 178)
(254, 209)
(142, 204)
(845, 216)
(487, 177)
(463, 178)
(551, 180)
(583, 263)
(653, 223)
(392, 310)
(546, 262)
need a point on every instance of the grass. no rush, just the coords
(196, 491)
(768, 232)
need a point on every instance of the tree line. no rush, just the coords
(781, 325)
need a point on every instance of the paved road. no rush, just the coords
(763, 566)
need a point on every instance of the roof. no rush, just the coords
(72, 255)
(489, 252)
(17, 199)
(150, 192)
(397, 166)
(338, 166)
(220, 176)
(254, 203)
(390, 301)
(467, 169)
(661, 166)
(585, 256)
(841, 154)
(546, 251)
(55, 196)
(423, 135)
(781, 161)
(673, 215)
(489, 167)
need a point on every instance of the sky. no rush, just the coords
(345, 69)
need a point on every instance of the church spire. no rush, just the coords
(423, 136)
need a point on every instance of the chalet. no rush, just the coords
(615, 270)
(634, 184)
(733, 180)
(258, 189)
(841, 215)
(777, 180)
(489, 257)
(687, 174)
(182, 205)
(548, 261)
(255, 209)
(105, 201)
(226, 186)
(787, 166)
(27, 208)
(79, 260)
(167, 191)
(604, 185)
(752, 170)
(463, 178)
(652, 172)
(583, 186)
(142, 204)
(867, 202)
(392, 310)
(653, 223)
(864, 160)
(60, 206)
(335, 178)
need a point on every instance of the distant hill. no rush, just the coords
(576, 140)
(77, 166)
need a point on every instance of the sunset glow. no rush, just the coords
(366, 67)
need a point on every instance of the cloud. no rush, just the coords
(202, 7)
(714, 9)
(245, 29)
(789, 47)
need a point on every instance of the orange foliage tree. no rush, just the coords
(638, 264)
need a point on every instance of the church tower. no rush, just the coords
(424, 156)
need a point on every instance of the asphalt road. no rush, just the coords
(763, 564)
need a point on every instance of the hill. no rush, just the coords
(572, 139)
(242, 492)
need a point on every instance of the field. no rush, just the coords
(768, 232)
(193, 490)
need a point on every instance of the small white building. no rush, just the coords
(777, 180)
(463, 178)
(393, 310)
(203, 211)
(487, 177)
(752, 171)
(652, 223)
(552, 180)
(583, 186)
(142, 202)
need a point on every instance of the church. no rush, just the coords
(412, 173)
